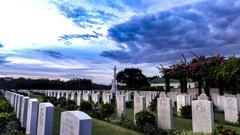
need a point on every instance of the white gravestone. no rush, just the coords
(220, 102)
(238, 99)
(121, 105)
(139, 104)
(79, 98)
(181, 101)
(75, 123)
(32, 117)
(24, 111)
(231, 109)
(165, 113)
(19, 106)
(106, 98)
(16, 102)
(45, 119)
(148, 99)
(202, 116)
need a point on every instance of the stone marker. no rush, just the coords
(238, 99)
(32, 117)
(231, 109)
(139, 104)
(45, 119)
(24, 112)
(181, 101)
(202, 116)
(19, 106)
(165, 113)
(220, 102)
(120, 105)
(203, 96)
(79, 98)
(75, 123)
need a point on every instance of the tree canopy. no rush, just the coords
(133, 78)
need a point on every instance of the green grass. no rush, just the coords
(99, 127)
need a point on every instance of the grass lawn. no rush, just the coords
(99, 127)
(39, 97)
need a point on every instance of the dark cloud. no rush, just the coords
(67, 37)
(83, 17)
(3, 60)
(204, 28)
(1, 45)
(53, 53)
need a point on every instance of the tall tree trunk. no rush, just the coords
(199, 86)
(221, 85)
(207, 87)
(183, 84)
(167, 84)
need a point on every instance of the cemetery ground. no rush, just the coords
(106, 128)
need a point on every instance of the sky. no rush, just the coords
(86, 38)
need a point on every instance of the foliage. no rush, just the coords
(186, 111)
(129, 104)
(220, 130)
(52, 100)
(153, 105)
(146, 122)
(133, 78)
(5, 106)
(86, 106)
(106, 110)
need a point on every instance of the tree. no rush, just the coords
(133, 78)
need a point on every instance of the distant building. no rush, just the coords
(160, 83)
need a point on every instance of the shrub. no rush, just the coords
(4, 119)
(220, 130)
(129, 104)
(5, 106)
(106, 110)
(86, 106)
(186, 111)
(146, 122)
(71, 105)
(62, 101)
(175, 104)
(153, 106)
(52, 100)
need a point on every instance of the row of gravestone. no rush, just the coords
(37, 118)
(229, 104)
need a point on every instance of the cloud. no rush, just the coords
(1, 45)
(67, 37)
(54, 54)
(205, 28)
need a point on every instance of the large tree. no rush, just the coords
(133, 78)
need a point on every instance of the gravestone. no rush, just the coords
(220, 102)
(79, 98)
(139, 104)
(238, 99)
(106, 98)
(19, 106)
(45, 119)
(202, 116)
(181, 101)
(165, 113)
(32, 117)
(128, 96)
(203, 96)
(16, 102)
(24, 112)
(231, 109)
(120, 105)
(148, 99)
(75, 123)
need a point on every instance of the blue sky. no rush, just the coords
(86, 38)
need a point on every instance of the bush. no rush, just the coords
(62, 101)
(129, 104)
(106, 110)
(86, 106)
(70, 105)
(146, 122)
(153, 106)
(4, 119)
(52, 100)
(220, 130)
(186, 111)
(5, 106)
